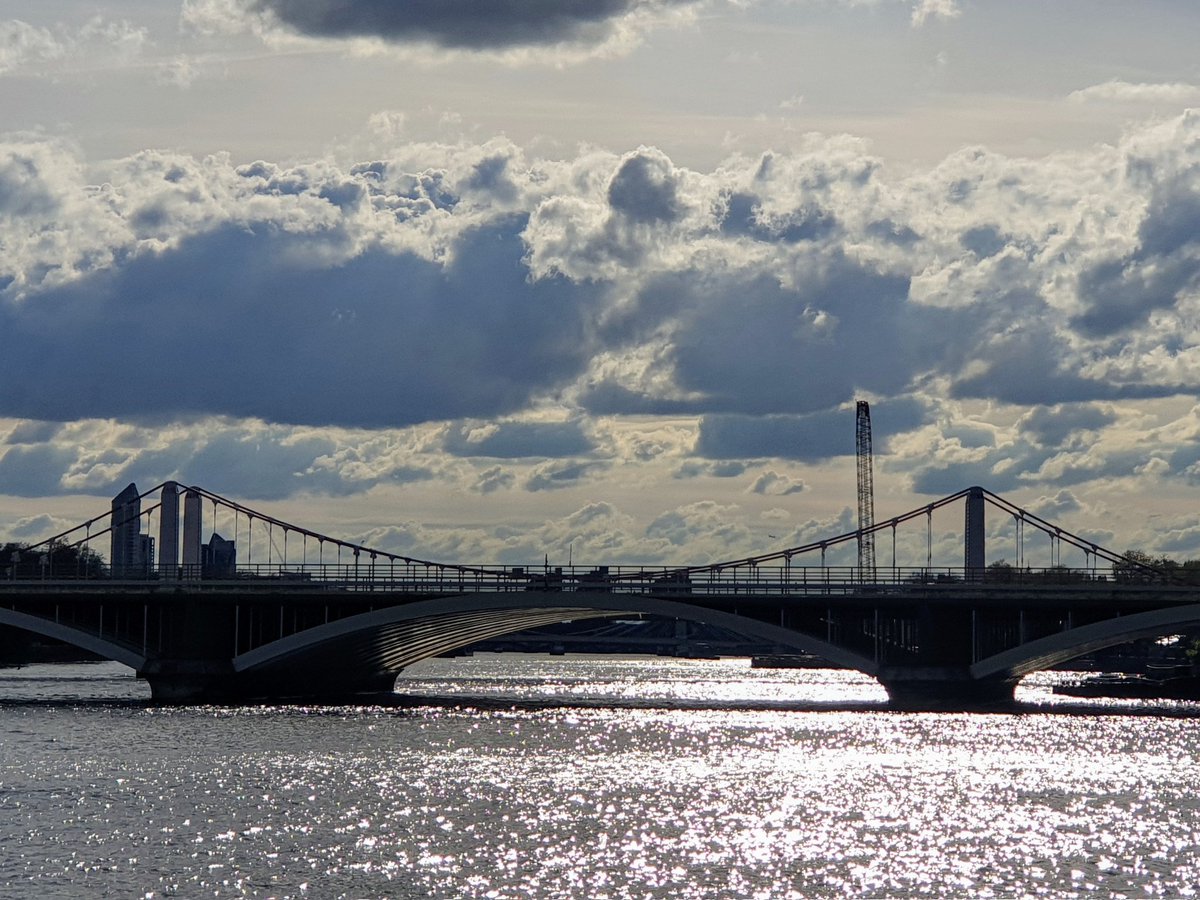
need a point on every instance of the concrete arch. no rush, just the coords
(73, 636)
(1043, 653)
(428, 628)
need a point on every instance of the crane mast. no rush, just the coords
(866, 492)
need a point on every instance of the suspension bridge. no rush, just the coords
(274, 610)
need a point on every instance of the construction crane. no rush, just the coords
(866, 493)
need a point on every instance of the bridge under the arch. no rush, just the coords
(951, 645)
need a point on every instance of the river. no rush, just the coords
(528, 777)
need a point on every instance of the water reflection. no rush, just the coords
(460, 799)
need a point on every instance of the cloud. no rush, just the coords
(771, 483)
(815, 437)
(1116, 91)
(32, 49)
(556, 475)
(586, 26)
(512, 440)
(645, 188)
(1057, 426)
(1055, 507)
(233, 322)
(242, 459)
(695, 468)
(494, 479)
(33, 471)
(22, 43)
(686, 525)
(926, 10)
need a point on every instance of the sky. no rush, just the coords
(601, 280)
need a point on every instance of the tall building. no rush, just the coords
(220, 558)
(144, 564)
(126, 558)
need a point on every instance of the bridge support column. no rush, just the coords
(214, 681)
(946, 690)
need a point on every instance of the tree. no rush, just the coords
(18, 560)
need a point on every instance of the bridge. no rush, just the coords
(303, 614)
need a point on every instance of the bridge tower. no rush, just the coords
(974, 547)
(168, 531)
(866, 492)
(192, 533)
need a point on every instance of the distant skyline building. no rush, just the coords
(220, 558)
(127, 556)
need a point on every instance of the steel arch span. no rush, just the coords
(1045, 652)
(73, 636)
(368, 650)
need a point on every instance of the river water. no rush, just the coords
(526, 777)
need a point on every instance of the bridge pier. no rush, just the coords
(945, 689)
(215, 681)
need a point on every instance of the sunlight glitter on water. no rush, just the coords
(456, 801)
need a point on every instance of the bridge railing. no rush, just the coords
(420, 579)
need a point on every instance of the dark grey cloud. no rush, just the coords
(1017, 465)
(942, 480)
(743, 215)
(812, 438)
(227, 323)
(1032, 365)
(984, 240)
(514, 440)
(644, 189)
(23, 190)
(464, 24)
(33, 433)
(751, 345)
(1120, 293)
(1054, 426)
(245, 465)
(561, 475)
(494, 479)
(34, 470)
(893, 232)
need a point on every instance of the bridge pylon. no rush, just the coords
(974, 535)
